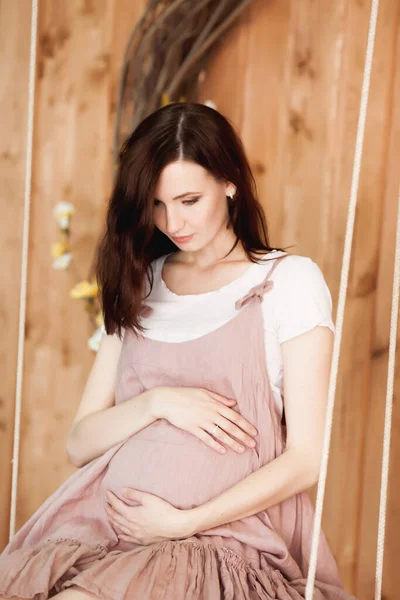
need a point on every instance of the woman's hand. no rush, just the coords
(198, 411)
(155, 520)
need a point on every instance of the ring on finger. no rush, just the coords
(215, 429)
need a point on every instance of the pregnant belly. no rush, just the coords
(176, 466)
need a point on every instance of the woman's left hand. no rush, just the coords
(155, 520)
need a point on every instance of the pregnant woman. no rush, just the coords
(201, 424)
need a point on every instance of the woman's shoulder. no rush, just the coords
(291, 268)
(300, 298)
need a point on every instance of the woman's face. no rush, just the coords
(190, 202)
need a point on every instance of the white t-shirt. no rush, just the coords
(299, 301)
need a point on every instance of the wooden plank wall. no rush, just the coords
(289, 76)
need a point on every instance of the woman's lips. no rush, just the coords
(185, 238)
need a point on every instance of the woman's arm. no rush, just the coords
(99, 424)
(306, 367)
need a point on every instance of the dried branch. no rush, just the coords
(168, 47)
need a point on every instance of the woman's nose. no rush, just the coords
(174, 224)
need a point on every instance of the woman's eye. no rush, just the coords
(192, 201)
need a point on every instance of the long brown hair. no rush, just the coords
(178, 131)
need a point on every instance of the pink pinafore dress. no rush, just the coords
(70, 541)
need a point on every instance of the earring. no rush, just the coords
(231, 195)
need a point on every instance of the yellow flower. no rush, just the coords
(59, 248)
(84, 289)
(99, 319)
(165, 99)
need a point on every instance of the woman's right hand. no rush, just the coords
(198, 411)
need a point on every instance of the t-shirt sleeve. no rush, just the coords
(303, 298)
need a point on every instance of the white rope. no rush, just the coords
(342, 298)
(24, 264)
(388, 412)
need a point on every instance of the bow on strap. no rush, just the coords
(145, 310)
(257, 291)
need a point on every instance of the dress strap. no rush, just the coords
(258, 291)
